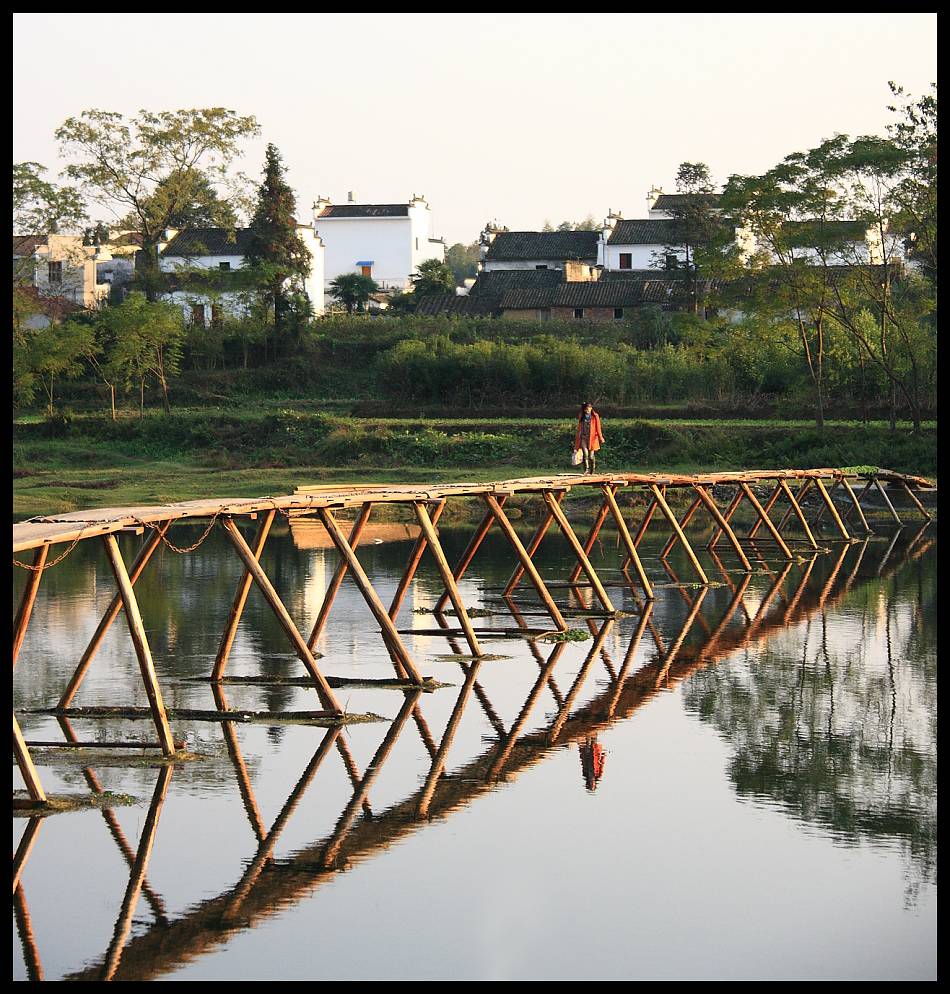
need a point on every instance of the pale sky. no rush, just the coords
(514, 117)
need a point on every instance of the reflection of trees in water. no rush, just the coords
(836, 720)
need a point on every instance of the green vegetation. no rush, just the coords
(88, 460)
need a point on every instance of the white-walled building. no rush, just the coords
(60, 266)
(386, 242)
(221, 250)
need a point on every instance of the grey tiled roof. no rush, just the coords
(595, 294)
(491, 284)
(452, 305)
(209, 241)
(365, 210)
(556, 245)
(650, 231)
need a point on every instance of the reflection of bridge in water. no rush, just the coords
(794, 593)
(427, 504)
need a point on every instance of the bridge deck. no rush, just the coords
(73, 525)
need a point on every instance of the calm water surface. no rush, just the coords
(739, 783)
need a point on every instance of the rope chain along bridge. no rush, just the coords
(427, 502)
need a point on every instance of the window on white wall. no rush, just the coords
(224, 265)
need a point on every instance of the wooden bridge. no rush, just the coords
(795, 592)
(427, 503)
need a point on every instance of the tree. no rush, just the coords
(189, 200)
(432, 277)
(145, 341)
(696, 225)
(40, 208)
(353, 290)
(915, 195)
(791, 212)
(463, 261)
(276, 253)
(45, 354)
(143, 168)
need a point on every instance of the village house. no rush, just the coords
(204, 270)
(528, 250)
(387, 242)
(60, 266)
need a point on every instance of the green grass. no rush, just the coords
(89, 461)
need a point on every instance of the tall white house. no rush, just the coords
(221, 250)
(386, 242)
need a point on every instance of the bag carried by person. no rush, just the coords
(577, 457)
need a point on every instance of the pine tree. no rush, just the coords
(275, 250)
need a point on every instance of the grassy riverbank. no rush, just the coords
(89, 461)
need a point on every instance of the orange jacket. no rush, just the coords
(596, 432)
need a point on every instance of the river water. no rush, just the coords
(735, 783)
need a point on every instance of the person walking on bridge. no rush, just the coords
(589, 436)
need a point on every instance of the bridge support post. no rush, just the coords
(505, 525)
(415, 557)
(769, 504)
(25, 761)
(533, 546)
(112, 611)
(855, 505)
(140, 642)
(832, 510)
(555, 508)
(610, 501)
(723, 523)
(796, 508)
(402, 659)
(432, 539)
(28, 599)
(465, 560)
(240, 599)
(339, 573)
(684, 521)
(674, 524)
(766, 520)
(592, 534)
(324, 692)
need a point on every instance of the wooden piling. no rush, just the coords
(887, 501)
(240, 599)
(796, 508)
(28, 599)
(724, 527)
(766, 520)
(856, 504)
(324, 691)
(674, 524)
(832, 510)
(505, 525)
(572, 540)
(139, 640)
(769, 504)
(920, 507)
(610, 501)
(532, 548)
(465, 560)
(339, 573)
(592, 534)
(115, 605)
(371, 597)
(415, 557)
(726, 518)
(684, 521)
(448, 580)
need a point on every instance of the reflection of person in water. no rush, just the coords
(592, 761)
